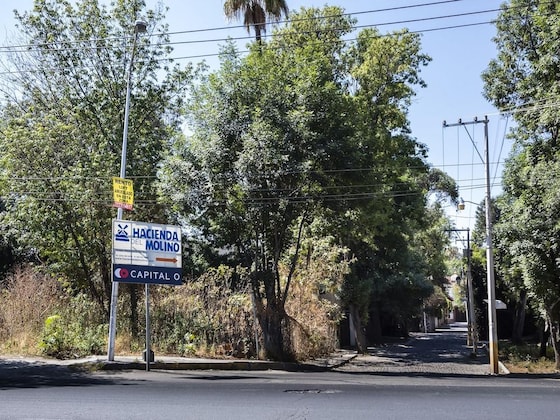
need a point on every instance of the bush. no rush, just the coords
(210, 316)
(38, 316)
(213, 315)
(76, 331)
(314, 300)
(525, 358)
(65, 339)
(27, 297)
(54, 341)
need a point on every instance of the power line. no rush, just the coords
(108, 178)
(287, 21)
(211, 29)
(241, 52)
(248, 199)
(34, 47)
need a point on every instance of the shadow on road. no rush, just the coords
(441, 347)
(22, 374)
(441, 353)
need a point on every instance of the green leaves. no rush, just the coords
(525, 73)
(62, 131)
(307, 136)
(523, 80)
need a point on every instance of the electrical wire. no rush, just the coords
(501, 150)
(243, 52)
(108, 178)
(27, 47)
(398, 22)
(33, 47)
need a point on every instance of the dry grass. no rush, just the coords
(213, 316)
(314, 304)
(541, 366)
(525, 358)
(26, 299)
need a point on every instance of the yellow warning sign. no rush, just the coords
(123, 193)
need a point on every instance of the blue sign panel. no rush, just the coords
(126, 273)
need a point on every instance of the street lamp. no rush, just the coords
(139, 27)
(461, 205)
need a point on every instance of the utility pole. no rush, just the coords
(472, 330)
(492, 325)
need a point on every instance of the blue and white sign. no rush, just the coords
(146, 253)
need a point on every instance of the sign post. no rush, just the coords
(147, 253)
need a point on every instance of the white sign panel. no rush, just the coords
(146, 252)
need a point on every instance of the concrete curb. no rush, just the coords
(503, 369)
(171, 363)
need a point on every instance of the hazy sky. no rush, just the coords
(453, 77)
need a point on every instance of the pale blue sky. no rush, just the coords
(453, 77)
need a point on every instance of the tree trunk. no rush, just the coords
(359, 336)
(554, 338)
(544, 335)
(273, 323)
(519, 321)
(556, 346)
(272, 317)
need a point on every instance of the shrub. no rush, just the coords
(26, 299)
(76, 331)
(314, 300)
(54, 341)
(38, 316)
(211, 315)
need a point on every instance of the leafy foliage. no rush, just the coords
(62, 131)
(307, 136)
(524, 81)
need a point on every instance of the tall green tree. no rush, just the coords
(62, 125)
(306, 134)
(523, 80)
(256, 13)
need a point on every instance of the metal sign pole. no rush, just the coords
(139, 27)
(148, 350)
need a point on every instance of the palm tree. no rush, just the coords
(255, 13)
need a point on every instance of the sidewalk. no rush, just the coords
(337, 359)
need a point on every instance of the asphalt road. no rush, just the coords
(275, 395)
(429, 377)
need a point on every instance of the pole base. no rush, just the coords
(151, 356)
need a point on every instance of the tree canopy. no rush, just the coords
(523, 80)
(308, 135)
(302, 143)
(62, 127)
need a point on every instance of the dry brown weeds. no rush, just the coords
(26, 299)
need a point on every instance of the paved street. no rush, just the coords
(443, 353)
(427, 377)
